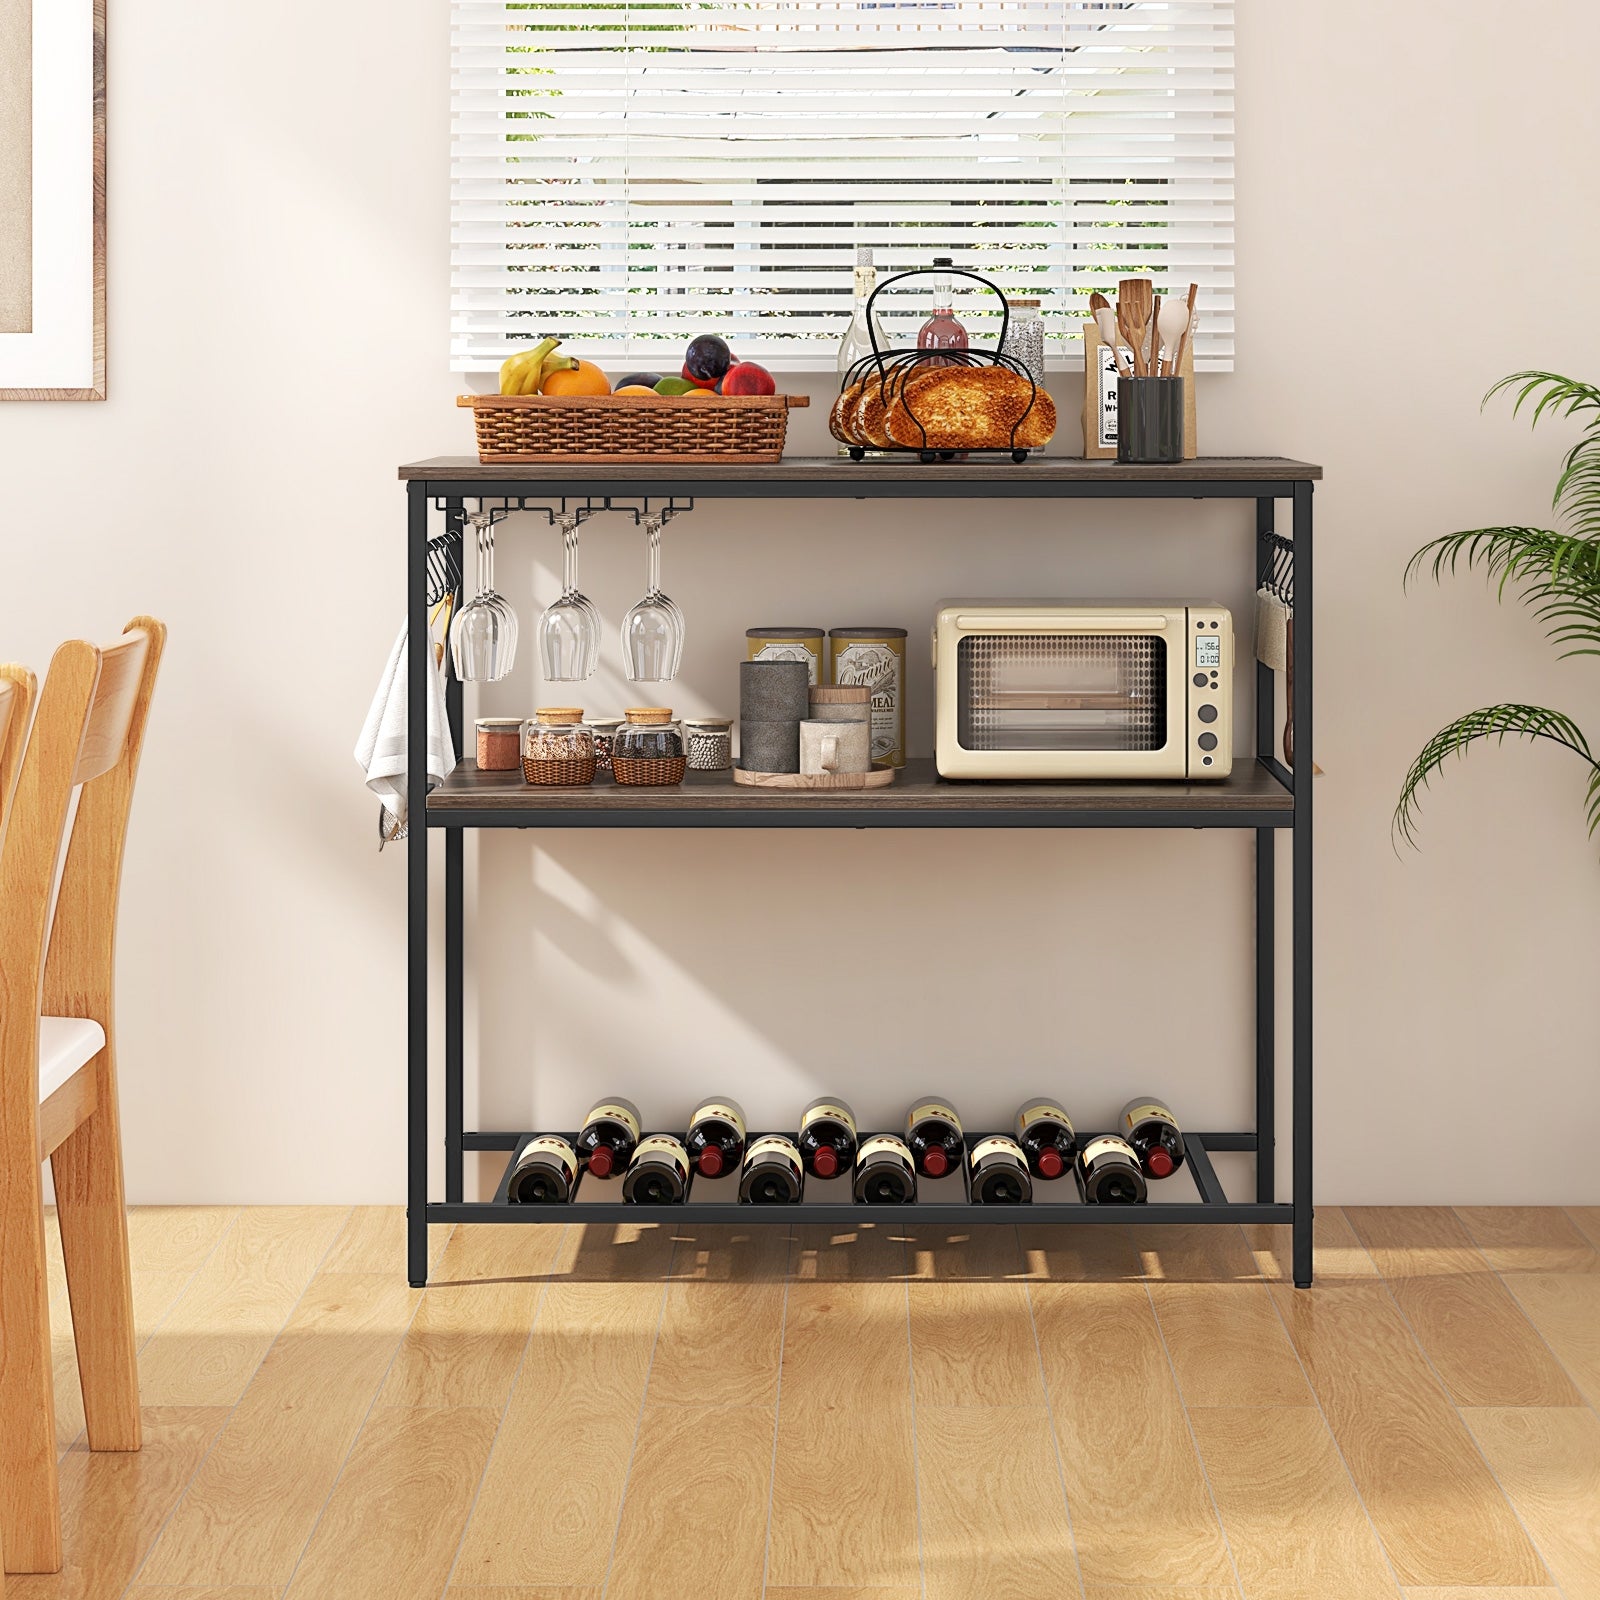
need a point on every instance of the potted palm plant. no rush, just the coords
(1556, 573)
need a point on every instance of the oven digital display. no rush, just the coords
(1208, 650)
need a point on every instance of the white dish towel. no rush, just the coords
(381, 751)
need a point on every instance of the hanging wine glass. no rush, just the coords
(652, 631)
(569, 629)
(483, 641)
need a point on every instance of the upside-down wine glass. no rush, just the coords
(483, 642)
(569, 629)
(652, 631)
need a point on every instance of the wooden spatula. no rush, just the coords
(1135, 301)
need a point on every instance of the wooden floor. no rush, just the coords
(667, 1411)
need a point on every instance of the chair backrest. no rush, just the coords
(89, 731)
(17, 688)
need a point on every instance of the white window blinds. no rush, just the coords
(629, 173)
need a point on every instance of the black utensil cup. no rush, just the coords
(1149, 420)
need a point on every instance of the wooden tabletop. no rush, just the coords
(840, 471)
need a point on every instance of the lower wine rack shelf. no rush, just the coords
(940, 1202)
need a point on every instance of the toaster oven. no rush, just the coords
(1133, 689)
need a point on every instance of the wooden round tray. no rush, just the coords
(878, 778)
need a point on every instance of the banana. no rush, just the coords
(515, 369)
(551, 364)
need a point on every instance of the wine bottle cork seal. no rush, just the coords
(550, 716)
(649, 716)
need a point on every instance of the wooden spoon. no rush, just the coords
(1188, 330)
(1105, 319)
(1174, 324)
(1136, 300)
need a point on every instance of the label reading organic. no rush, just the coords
(932, 1108)
(1107, 410)
(1151, 1110)
(610, 1111)
(827, 1111)
(723, 1112)
(877, 667)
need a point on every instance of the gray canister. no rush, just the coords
(774, 691)
(770, 746)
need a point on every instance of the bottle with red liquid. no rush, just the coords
(935, 1138)
(609, 1136)
(827, 1138)
(1154, 1133)
(716, 1138)
(1047, 1137)
(941, 331)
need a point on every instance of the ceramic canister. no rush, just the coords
(773, 691)
(769, 746)
(851, 702)
(827, 748)
(876, 658)
(788, 644)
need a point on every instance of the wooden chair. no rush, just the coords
(58, 1083)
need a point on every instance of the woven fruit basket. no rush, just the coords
(544, 427)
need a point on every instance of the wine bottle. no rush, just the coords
(609, 1134)
(1047, 1137)
(772, 1173)
(658, 1175)
(858, 337)
(546, 1173)
(1154, 1133)
(933, 1131)
(1000, 1175)
(716, 1136)
(827, 1138)
(884, 1173)
(941, 331)
(1109, 1173)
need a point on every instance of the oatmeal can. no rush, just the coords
(788, 644)
(876, 659)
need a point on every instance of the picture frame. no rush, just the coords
(52, 199)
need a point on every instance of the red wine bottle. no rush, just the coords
(716, 1138)
(610, 1133)
(1154, 1133)
(999, 1172)
(933, 1131)
(827, 1138)
(772, 1173)
(1047, 1137)
(658, 1175)
(1109, 1173)
(546, 1173)
(884, 1173)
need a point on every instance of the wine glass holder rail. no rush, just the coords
(1262, 795)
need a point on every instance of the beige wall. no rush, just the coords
(1412, 178)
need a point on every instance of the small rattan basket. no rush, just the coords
(544, 427)
(649, 769)
(572, 774)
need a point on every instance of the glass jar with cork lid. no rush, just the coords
(557, 750)
(648, 748)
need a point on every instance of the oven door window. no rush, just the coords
(1062, 691)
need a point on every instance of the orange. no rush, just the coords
(634, 388)
(700, 394)
(586, 378)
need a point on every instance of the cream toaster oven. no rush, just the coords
(1136, 689)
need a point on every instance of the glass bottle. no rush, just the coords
(858, 337)
(1024, 340)
(941, 331)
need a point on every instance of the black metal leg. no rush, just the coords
(1266, 917)
(418, 643)
(1303, 690)
(454, 1009)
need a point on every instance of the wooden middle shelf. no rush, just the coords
(1252, 797)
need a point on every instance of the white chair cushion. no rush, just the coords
(65, 1043)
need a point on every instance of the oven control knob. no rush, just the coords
(1207, 741)
(1207, 713)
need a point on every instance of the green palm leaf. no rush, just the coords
(1498, 723)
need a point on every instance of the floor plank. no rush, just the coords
(176, 1238)
(1223, 1333)
(1216, 1592)
(1141, 1513)
(374, 1240)
(519, 1592)
(843, 1594)
(1529, 1239)
(1587, 1220)
(722, 1326)
(844, 1505)
(1464, 1318)
(467, 1340)
(1439, 1513)
(113, 1506)
(869, 1253)
(1565, 1308)
(1336, 1253)
(214, 1338)
(578, 1396)
(146, 1591)
(1482, 1594)
(994, 1518)
(1549, 1463)
(694, 1470)
(254, 1502)
(406, 1491)
(1293, 1520)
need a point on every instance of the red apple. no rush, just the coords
(746, 377)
